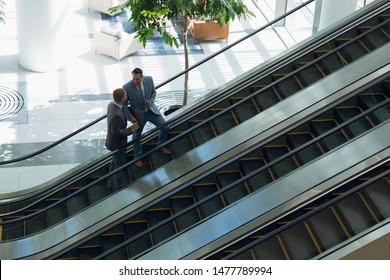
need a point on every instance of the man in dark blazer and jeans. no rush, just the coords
(117, 139)
(141, 94)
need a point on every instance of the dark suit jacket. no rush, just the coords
(116, 125)
(136, 101)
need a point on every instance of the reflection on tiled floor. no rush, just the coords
(60, 102)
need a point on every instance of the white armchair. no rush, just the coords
(103, 5)
(116, 43)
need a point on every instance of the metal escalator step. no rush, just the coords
(77, 203)
(353, 51)
(223, 122)
(259, 180)
(237, 192)
(109, 242)
(330, 142)
(310, 74)
(299, 243)
(375, 39)
(162, 233)
(55, 215)
(178, 203)
(355, 214)
(97, 192)
(308, 154)
(270, 250)
(246, 110)
(357, 127)
(267, 98)
(202, 134)
(327, 229)
(379, 193)
(214, 205)
(284, 167)
(131, 229)
(182, 145)
(331, 63)
(88, 253)
(288, 86)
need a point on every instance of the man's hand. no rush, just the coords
(133, 120)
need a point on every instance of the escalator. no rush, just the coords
(352, 210)
(216, 191)
(252, 99)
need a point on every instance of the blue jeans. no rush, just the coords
(157, 120)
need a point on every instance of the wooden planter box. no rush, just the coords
(208, 30)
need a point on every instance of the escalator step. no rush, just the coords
(357, 127)
(246, 110)
(284, 167)
(212, 206)
(353, 51)
(308, 154)
(97, 192)
(355, 214)
(299, 243)
(237, 192)
(132, 228)
(267, 99)
(288, 86)
(260, 180)
(328, 230)
(182, 145)
(56, 215)
(223, 122)
(330, 142)
(379, 193)
(179, 203)
(310, 74)
(330, 63)
(162, 233)
(375, 39)
(269, 250)
(109, 242)
(202, 134)
(77, 203)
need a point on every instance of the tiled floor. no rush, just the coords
(59, 102)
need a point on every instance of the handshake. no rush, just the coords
(132, 128)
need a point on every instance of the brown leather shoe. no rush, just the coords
(166, 151)
(138, 163)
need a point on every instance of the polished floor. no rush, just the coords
(54, 104)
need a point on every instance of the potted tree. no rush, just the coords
(152, 15)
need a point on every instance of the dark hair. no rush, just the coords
(118, 94)
(137, 71)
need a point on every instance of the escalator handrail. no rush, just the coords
(308, 214)
(160, 85)
(203, 123)
(232, 185)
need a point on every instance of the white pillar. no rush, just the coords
(42, 34)
(334, 10)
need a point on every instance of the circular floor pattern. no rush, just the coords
(11, 102)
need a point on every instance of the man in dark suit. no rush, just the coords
(117, 138)
(141, 94)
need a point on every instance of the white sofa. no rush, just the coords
(116, 43)
(103, 5)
